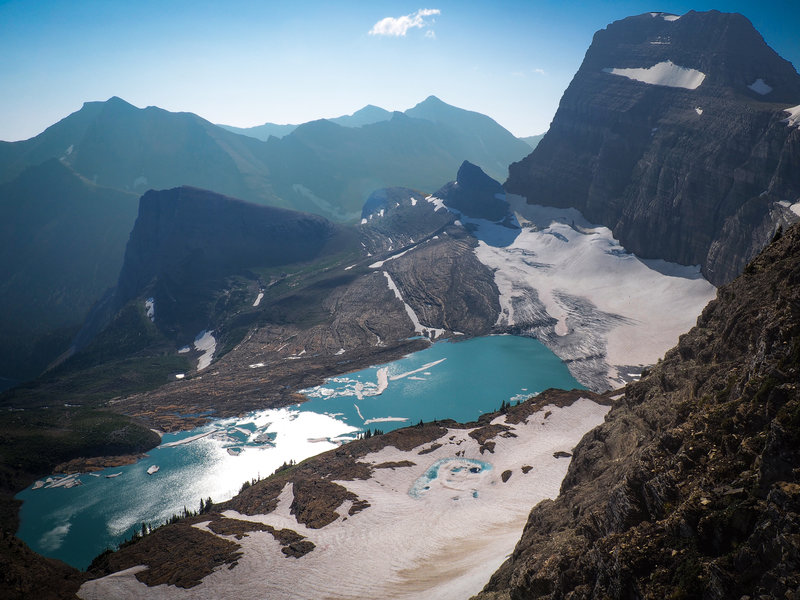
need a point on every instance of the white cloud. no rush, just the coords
(398, 26)
(540, 71)
(430, 34)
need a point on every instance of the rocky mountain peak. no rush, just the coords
(724, 47)
(673, 134)
(475, 194)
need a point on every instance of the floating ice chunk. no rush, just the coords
(664, 73)
(413, 201)
(150, 309)
(759, 86)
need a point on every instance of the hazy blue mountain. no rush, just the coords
(366, 116)
(115, 144)
(533, 140)
(62, 240)
(483, 141)
(262, 132)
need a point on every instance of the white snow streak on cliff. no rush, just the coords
(664, 73)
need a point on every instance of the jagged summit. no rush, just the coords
(725, 47)
(673, 134)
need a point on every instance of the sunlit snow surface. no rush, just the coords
(559, 257)
(443, 542)
(205, 343)
(664, 73)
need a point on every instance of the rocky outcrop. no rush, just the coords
(690, 489)
(673, 133)
(186, 240)
(475, 194)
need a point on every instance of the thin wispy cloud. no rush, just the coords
(399, 26)
(540, 71)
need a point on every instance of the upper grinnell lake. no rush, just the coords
(446, 381)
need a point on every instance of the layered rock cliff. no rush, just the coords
(674, 134)
(690, 488)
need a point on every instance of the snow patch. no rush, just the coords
(258, 298)
(180, 375)
(205, 343)
(664, 73)
(437, 203)
(184, 350)
(150, 309)
(340, 352)
(795, 208)
(69, 150)
(794, 116)
(413, 201)
(759, 86)
(698, 110)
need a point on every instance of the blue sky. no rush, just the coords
(245, 63)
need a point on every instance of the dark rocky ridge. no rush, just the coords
(690, 488)
(475, 194)
(671, 183)
(186, 241)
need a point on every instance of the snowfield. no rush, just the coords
(444, 543)
(573, 286)
(664, 73)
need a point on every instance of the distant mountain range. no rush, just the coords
(114, 150)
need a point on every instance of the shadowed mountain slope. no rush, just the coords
(674, 134)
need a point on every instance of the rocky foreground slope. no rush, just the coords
(690, 488)
(675, 134)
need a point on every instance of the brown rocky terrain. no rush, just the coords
(691, 487)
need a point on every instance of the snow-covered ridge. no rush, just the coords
(444, 543)
(664, 73)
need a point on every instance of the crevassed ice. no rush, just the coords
(664, 73)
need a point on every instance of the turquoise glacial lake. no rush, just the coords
(458, 380)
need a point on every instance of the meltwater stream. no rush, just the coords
(448, 380)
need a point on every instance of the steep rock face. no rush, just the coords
(673, 134)
(62, 240)
(185, 238)
(475, 194)
(690, 488)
